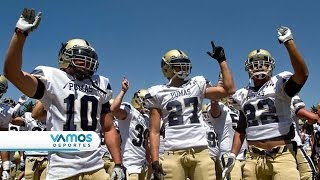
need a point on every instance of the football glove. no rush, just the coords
(119, 172)
(158, 172)
(5, 175)
(22, 165)
(28, 21)
(23, 99)
(284, 34)
(6, 170)
(228, 160)
(217, 53)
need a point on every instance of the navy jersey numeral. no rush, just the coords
(176, 112)
(141, 136)
(84, 106)
(212, 139)
(267, 117)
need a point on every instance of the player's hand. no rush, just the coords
(118, 173)
(6, 170)
(5, 175)
(228, 160)
(158, 172)
(23, 99)
(28, 21)
(217, 53)
(125, 84)
(284, 34)
(22, 165)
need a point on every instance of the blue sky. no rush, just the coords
(130, 37)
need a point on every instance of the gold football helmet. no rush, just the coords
(176, 63)
(205, 113)
(137, 100)
(78, 50)
(259, 64)
(8, 101)
(3, 85)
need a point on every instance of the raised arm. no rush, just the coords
(228, 88)
(24, 81)
(301, 72)
(115, 106)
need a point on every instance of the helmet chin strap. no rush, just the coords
(79, 73)
(176, 74)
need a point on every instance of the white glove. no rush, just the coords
(5, 175)
(22, 165)
(228, 160)
(118, 173)
(284, 34)
(28, 21)
(6, 170)
(23, 99)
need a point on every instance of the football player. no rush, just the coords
(133, 122)
(75, 98)
(8, 113)
(35, 161)
(221, 120)
(212, 139)
(265, 114)
(178, 103)
(305, 165)
(3, 85)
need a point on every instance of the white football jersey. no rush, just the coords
(224, 128)
(34, 125)
(267, 110)
(296, 104)
(6, 113)
(180, 112)
(234, 114)
(212, 138)
(73, 105)
(133, 131)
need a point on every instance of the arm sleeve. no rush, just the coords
(291, 87)
(242, 123)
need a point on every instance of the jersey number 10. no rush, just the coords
(85, 117)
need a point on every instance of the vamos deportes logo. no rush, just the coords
(49, 141)
(71, 140)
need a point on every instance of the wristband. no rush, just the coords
(17, 30)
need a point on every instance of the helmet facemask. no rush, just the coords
(3, 89)
(180, 67)
(8, 101)
(3, 85)
(259, 66)
(79, 57)
(83, 60)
